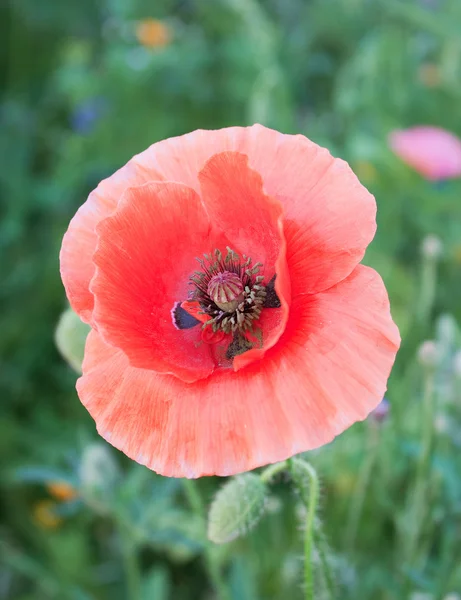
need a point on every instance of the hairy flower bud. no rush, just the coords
(237, 508)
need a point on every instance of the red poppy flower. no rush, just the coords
(275, 341)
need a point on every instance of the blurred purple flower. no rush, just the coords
(380, 413)
(86, 115)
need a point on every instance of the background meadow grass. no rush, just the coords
(87, 84)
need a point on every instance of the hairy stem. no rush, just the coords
(311, 506)
(272, 471)
(322, 549)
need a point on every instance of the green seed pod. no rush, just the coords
(237, 508)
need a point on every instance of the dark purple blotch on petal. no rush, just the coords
(181, 318)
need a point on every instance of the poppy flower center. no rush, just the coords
(227, 298)
(229, 290)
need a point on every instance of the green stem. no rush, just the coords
(193, 497)
(419, 500)
(272, 471)
(360, 492)
(212, 566)
(421, 18)
(322, 549)
(428, 289)
(130, 561)
(311, 506)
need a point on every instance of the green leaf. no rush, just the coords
(38, 474)
(156, 585)
(237, 508)
(176, 533)
(242, 580)
(70, 338)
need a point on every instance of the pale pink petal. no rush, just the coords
(328, 370)
(434, 152)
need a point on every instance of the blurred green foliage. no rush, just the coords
(80, 96)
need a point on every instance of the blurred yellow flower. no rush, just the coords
(365, 171)
(61, 490)
(429, 75)
(344, 483)
(152, 33)
(45, 516)
(457, 253)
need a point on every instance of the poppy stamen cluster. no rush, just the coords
(229, 291)
(228, 297)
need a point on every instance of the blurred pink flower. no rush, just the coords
(434, 152)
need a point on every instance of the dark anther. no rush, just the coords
(239, 345)
(272, 300)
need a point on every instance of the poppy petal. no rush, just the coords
(79, 242)
(329, 370)
(235, 201)
(144, 259)
(329, 215)
(328, 233)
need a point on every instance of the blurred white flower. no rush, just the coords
(431, 247)
(98, 469)
(441, 423)
(428, 354)
(457, 364)
(446, 330)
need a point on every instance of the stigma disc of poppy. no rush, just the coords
(313, 359)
